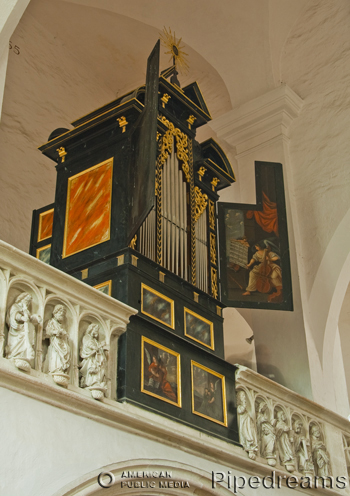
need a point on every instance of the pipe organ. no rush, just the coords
(135, 217)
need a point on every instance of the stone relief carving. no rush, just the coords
(302, 449)
(58, 358)
(266, 434)
(283, 442)
(247, 429)
(320, 454)
(346, 445)
(93, 354)
(291, 445)
(21, 336)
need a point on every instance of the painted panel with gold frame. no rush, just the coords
(88, 208)
(45, 225)
(208, 394)
(157, 306)
(105, 287)
(44, 253)
(160, 372)
(198, 328)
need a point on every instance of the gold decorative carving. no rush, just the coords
(193, 212)
(134, 260)
(122, 123)
(214, 283)
(62, 153)
(165, 98)
(181, 146)
(196, 297)
(84, 274)
(120, 259)
(161, 276)
(201, 202)
(218, 311)
(201, 172)
(214, 183)
(212, 215)
(158, 135)
(132, 243)
(191, 120)
(213, 249)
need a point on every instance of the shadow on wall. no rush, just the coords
(264, 367)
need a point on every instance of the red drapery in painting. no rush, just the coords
(267, 219)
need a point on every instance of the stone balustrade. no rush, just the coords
(52, 324)
(290, 433)
(57, 328)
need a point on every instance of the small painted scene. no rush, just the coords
(253, 263)
(199, 329)
(157, 306)
(161, 372)
(208, 394)
(44, 254)
(88, 208)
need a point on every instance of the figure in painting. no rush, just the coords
(94, 360)
(265, 275)
(58, 356)
(283, 442)
(158, 378)
(20, 340)
(319, 453)
(247, 432)
(209, 405)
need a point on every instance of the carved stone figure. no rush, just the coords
(319, 453)
(283, 442)
(20, 341)
(301, 449)
(58, 358)
(247, 430)
(266, 434)
(94, 362)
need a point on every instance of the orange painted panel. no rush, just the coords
(45, 225)
(88, 211)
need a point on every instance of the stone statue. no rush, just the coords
(283, 442)
(247, 430)
(301, 449)
(319, 453)
(94, 362)
(58, 358)
(20, 340)
(266, 434)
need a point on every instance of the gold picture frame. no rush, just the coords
(198, 328)
(157, 306)
(88, 208)
(160, 372)
(103, 286)
(39, 254)
(208, 394)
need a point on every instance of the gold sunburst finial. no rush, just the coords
(175, 50)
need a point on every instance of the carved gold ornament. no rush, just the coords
(212, 215)
(62, 153)
(191, 120)
(201, 172)
(214, 183)
(201, 202)
(165, 98)
(122, 123)
(214, 283)
(175, 50)
(213, 258)
(132, 243)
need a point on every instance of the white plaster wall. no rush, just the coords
(46, 88)
(315, 64)
(45, 448)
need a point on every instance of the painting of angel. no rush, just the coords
(160, 372)
(208, 394)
